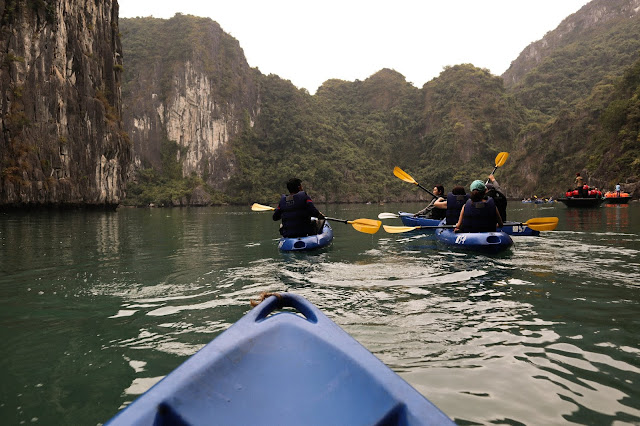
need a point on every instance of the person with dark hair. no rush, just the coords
(453, 204)
(431, 211)
(493, 191)
(479, 214)
(296, 211)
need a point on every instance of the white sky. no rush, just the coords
(309, 42)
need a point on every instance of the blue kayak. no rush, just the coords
(488, 242)
(282, 368)
(310, 242)
(511, 228)
(408, 219)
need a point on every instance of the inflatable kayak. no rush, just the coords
(310, 242)
(408, 219)
(511, 228)
(489, 242)
(282, 368)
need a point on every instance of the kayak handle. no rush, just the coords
(285, 300)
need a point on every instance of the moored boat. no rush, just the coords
(286, 368)
(310, 242)
(510, 228)
(488, 242)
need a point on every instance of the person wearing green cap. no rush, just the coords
(479, 214)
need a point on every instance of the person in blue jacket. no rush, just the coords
(479, 214)
(296, 211)
(453, 204)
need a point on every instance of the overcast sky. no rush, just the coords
(309, 42)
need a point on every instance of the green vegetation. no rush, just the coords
(578, 110)
(165, 187)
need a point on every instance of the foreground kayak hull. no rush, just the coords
(486, 242)
(510, 228)
(283, 368)
(582, 202)
(311, 242)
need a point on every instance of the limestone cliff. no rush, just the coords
(188, 82)
(596, 14)
(62, 138)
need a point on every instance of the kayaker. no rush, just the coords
(296, 211)
(453, 204)
(431, 211)
(494, 191)
(479, 214)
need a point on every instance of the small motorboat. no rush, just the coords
(613, 197)
(282, 367)
(584, 202)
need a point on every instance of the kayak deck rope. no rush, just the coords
(263, 296)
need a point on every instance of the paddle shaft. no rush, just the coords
(430, 193)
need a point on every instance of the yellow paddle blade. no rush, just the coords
(401, 174)
(542, 223)
(501, 158)
(260, 208)
(399, 229)
(368, 226)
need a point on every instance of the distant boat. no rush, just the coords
(582, 202)
(613, 198)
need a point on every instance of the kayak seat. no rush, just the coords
(493, 239)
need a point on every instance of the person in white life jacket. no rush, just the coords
(479, 214)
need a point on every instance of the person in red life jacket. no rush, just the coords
(453, 204)
(431, 211)
(296, 211)
(478, 214)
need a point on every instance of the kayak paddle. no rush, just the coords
(388, 216)
(401, 174)
(537, 224)
(368, 226)
(500, 160)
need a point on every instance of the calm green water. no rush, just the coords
(96, 307)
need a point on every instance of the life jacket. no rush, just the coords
(568, 193)
(437, 213)
(296, 211)
(454, 206)
(479, 216)
(501, 201)
(574, 192)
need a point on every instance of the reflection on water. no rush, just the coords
(545, 334)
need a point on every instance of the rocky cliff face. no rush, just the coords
(62, 138)
(188, 82)
(595, 14)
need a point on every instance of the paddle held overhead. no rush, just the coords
(500, 160)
